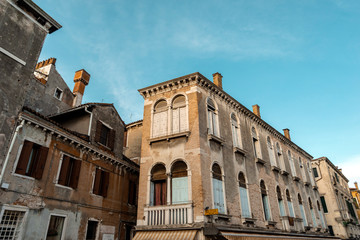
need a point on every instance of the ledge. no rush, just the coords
(239, 150)
(261, 161)
(315, 187)
(168, 137)
(270, 223)
(284, 172)
(296, 178)
(212, 137)
(248, 220)
(307, 184)
(275, 169)
(222, 216)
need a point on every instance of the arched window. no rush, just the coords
(179, 114)
(271, 152)
(280, 156)
(158, 185)
(256, 143)
(179, 183)
(235, 130)
(212, 118)
(280, 201)
(312, 213)
(218, 192)
(292, 166)
(244, 200)
(160, 120)
(265, 201)
(302, 211)
(290, 205)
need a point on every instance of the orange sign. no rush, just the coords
(211, 211)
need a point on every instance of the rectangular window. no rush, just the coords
(11, 224)
(323, 203)
(331, 231)
(101, 182)
(218, 195)
(32, 160)
(302, 211)
(56, 228)
(69, 172)
(337, 177)
(266, 208)
(315, 172)
(58, 93)
(104, 135)
(91, 230)
(132, 193)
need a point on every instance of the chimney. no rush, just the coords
(217, 79)
(356, 185)
(287, 133)
(81, 80)
(256, 110)
(45, 63)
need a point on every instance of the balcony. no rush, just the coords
(169, 215)
(168, 137)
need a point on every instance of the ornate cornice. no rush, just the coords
(198, 79)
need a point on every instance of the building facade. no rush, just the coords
(336, 199)
(355, 192)
(212, 169)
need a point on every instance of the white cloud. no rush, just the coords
(351, 169)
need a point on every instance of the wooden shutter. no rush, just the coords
(266, 207)
(157, 189)
(40, 162)
(152, 193)
(125, 138)
(175, 121)
(75, 174)
(163, 123)
(282, 208)
(105, 183)
(163, 193)
(244, 201)
(183, 119)
(291, 210)
(179, 190)
(24, 157)
(97, 181)
(98, 131)
(64, 170)
(111, 140)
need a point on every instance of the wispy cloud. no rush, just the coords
(351, 169)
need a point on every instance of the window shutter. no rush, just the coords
(24, 157)
(125, 138)
(245, 209)
(131, 192)
(163, 123)
(64, 170)
(98, 131)
(179, 190)
(163, 193)
(75, 174)
(183, 119)
(111, 140)
(152, 191)
(97, 181)
(323, 203)
(105, 183)
(175, 120)
(40, 162)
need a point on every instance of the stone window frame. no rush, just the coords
(223, 185)
(186, 118)
(60, 167)
(97, 229)
(214, 116)
(61, 93)
(24, 209)
(64, 226)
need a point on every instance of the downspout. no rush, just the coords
(91, 117)
(10, 149)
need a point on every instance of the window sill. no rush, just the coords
(261, 161)
(104, 146)
(212, 137)
(239, 150)
(23, 176)
(168, 137)
(222, 216)
(275, 169)
(248, 220)
(307, 184)
(270, 223)
(284, 172)
(315, 187)
(296, 178)
(62, 186)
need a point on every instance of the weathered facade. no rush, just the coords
(202, 150)
(355, 192)
(24, 27)
(336, 199)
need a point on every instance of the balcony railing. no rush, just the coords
(168, 215)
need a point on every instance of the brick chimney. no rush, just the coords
(81, 80)
(287, 133)
(356, 185)
(256, 110)
(217, 79)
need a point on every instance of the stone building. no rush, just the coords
(24, 27)
(336, 199)
(355, 192)
(212, 169)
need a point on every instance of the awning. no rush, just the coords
(166, 235)
(248, 236)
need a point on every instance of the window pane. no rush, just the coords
(91, 230)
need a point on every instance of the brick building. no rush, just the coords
(202, 152)
(336, 199)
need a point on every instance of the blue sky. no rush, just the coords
(299, 60)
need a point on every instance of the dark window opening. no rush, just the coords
(56, 227)
(323, 203)
(315, 172)
(132, 192)
(91, 230)
(58, 93)
(105, 135)
(158, 185)
(32, 160)
(69, 172)
(331, 231)
(101, 182)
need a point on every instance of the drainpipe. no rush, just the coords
(91, 117)
(10, 149)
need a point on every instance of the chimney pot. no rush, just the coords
(287, 133)
(356, 185)
(81, 80)
(217, 79)
(256, 110)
